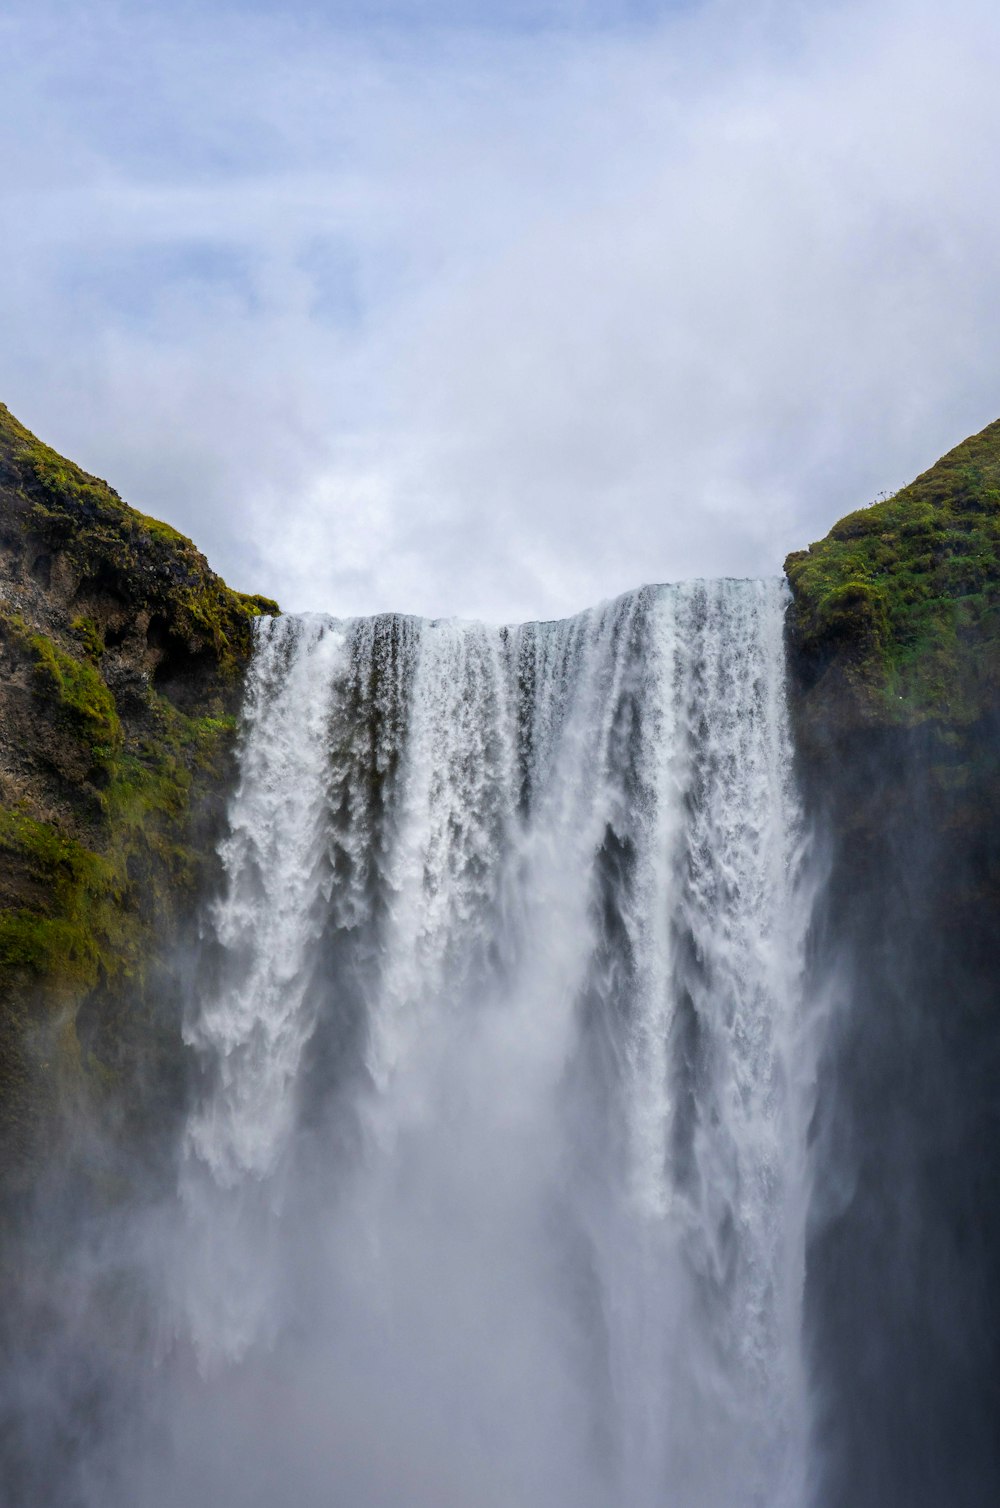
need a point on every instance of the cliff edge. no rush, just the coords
(121, 658)
(896, 616)
(894, 639)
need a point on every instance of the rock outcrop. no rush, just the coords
(894, 632)
(121, 656)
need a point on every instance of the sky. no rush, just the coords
(492, 309)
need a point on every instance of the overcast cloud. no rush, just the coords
(499, 310)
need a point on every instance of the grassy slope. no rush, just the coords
(904, 597)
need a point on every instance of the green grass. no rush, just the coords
(909, 589)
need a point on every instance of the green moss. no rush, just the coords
(73, 688)
(96, 918)
(71, 934)
(90, 637)
(258, 605)
(79, 691)
(47, 946)
(907, 592)
(51, 853)
(108, 834)
(149, 564)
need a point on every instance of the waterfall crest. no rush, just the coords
(500, 1154)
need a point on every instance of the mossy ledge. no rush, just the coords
(896, 613)
(121, 660)
(894, 653)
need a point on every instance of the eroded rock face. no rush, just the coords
(895, 660)
(121, 656)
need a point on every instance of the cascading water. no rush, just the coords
(498, 1176)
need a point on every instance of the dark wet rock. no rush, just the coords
(894, 637)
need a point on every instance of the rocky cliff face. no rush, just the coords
(895, 652)
(120, 666)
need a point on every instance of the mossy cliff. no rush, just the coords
(894, 635)
(897, 611)
(121, 656)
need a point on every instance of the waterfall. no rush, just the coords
(499, 1159)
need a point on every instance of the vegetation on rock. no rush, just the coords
(894, 636)
(120, 671)
(101, 539)
(902, 599)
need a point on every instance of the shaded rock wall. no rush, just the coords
(896, 669)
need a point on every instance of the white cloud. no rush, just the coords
(502, 323)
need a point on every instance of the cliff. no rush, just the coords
(121, 655)
(894, 635)
(897, 611)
